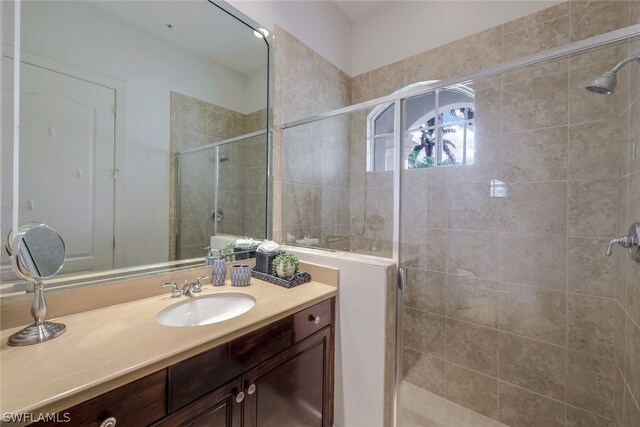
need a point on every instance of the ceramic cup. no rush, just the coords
(240, 275)
(219, 270)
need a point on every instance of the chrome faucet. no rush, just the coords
(188, 289)
(631, 242)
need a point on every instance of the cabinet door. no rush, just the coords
(295, 388)
(220, 408)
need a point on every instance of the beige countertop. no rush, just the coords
(108, 347)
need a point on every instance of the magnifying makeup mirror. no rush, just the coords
(37, 253)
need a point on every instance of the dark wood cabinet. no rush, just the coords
(220, 408)
(200, 374)
(294, 389)
(280, 375)
(138, 403)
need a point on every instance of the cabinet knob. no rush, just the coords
(251, 389)
(108, 422)
(239, 397)
(314, 319)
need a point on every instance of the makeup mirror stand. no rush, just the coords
(37, 252)
(39, 331)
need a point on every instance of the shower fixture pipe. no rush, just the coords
(634, 57)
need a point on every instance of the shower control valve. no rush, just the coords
(631, 241)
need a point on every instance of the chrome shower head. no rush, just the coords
(606, 83)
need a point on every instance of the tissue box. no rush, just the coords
(244, 253)
(264, 261)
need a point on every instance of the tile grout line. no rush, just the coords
(626, 297)
(566, 293)
(627, 280)
(517, 233)
(498, 314)
(501, 291)
(446, 262)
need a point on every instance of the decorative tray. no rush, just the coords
(297, 279)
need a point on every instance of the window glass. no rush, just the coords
(439, 130)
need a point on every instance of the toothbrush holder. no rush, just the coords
(219, 272)
(240, 275)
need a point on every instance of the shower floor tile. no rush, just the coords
(421, 408)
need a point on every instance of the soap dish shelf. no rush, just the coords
(297, 279)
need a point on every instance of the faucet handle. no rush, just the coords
(176, 292)
(201, 278)
(624, 241)
(197, 286)
(631, 242)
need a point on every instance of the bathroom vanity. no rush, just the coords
(268, 367)
(270, 377)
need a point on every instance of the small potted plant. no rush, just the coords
(227, 252)
(285, 265)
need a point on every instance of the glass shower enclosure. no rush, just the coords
(497, 194)
(221, 191)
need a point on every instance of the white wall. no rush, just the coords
(387, 33)
(318, 24)
(360, 335)
(399, 29)
(90, 39)
(256, 91)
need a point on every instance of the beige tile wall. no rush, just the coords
(549, 28)
(311, 163)
(626, 318)
(242, 183)
(511, 303)
(512, 309)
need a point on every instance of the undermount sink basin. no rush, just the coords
(206, 309)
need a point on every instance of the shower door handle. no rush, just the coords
(631, 241)
(402, 275)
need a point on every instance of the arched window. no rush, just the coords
(438, 130)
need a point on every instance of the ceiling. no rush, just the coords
(355, 9)
(198, 26)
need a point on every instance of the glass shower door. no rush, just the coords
(511, 188)
(221, 191)
(196, 201)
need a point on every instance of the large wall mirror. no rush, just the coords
(144, 129)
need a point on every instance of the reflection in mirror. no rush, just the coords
(143, 129)
(38, 252)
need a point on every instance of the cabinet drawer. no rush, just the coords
(312, 319)
(135, 404)
(199, 375)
